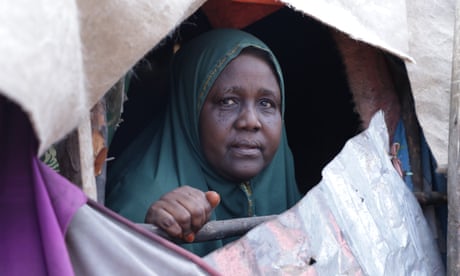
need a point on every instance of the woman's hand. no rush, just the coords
(183, 211)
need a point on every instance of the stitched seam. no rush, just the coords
(211, 75)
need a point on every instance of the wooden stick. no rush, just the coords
(430, 198)
(453, 178)
(412, 130)
(217, 229)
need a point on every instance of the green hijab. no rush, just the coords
(168, 153)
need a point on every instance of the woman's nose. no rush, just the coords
(249, 119)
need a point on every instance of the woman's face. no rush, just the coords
(240, 121)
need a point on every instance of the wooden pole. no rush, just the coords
(411, 125)
(75, 157)
(68, 156)
(216, 229)
(100, 149)
(88, 184)
(453, 179)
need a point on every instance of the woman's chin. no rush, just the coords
(245, 173)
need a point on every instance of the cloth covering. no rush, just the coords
(419, 32)
(36, 203)
(101, 242)
(60, 58)
(49, 226)
(168, 154)
(88, 46)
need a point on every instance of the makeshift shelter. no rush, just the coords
(89, 47)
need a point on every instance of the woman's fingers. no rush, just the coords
(160, 217)
(196, 209)
(183, 211)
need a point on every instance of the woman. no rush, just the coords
(222, 139)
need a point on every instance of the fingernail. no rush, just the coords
(190, 237)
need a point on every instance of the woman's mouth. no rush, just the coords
(246, 149)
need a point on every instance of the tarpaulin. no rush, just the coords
(361, 219)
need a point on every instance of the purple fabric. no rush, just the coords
(36, 203)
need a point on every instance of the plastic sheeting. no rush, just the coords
(360, 219)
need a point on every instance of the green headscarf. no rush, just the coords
(168, 153)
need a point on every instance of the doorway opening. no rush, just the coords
(320, 114)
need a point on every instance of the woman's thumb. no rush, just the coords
(213, 198)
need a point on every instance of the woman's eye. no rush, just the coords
(228, 101)
(267, 103)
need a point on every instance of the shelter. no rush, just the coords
(95, 45)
